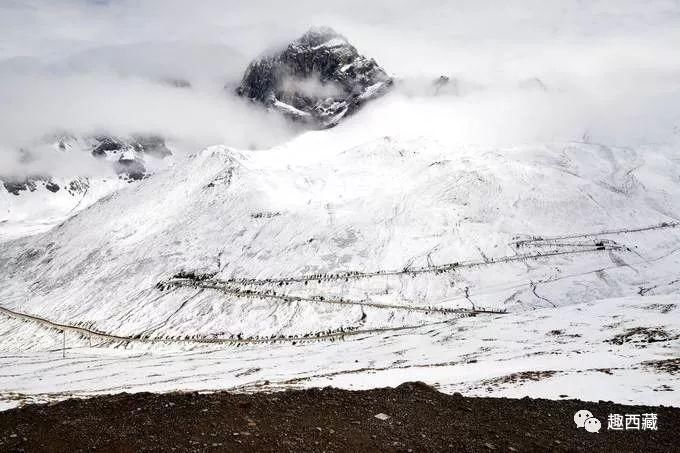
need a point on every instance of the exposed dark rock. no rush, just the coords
(319, 79)
(80, 185)
(15, 185)
(128, 155)
(132, 169)
(152, 145)
(106, 145)
(52, 186)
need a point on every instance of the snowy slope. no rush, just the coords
(64, 174)
(37, 211)
(312, 238)
(593, 351)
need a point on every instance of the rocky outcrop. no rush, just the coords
(28, 184)
(130, 167)
(318, 79)
(128, 155)
(17, 185)
(106, 146)
(152, 145)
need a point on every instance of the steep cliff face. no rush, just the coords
(319, 79)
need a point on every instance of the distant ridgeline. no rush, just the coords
(127, 156)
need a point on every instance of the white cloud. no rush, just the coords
(311, 86)
(609, 68)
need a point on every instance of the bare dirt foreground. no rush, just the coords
(420, 419)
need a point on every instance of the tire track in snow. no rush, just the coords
(223, 286)
(355, 275)
(547, 239)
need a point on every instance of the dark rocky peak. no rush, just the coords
(152, 145)
(129, 155)
(106, 146)
(319, 79)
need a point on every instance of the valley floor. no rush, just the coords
(623, 350)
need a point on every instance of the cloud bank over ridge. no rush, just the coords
(603, 71)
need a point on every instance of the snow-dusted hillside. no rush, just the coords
(38, 209)
(392, 242)
(593, 351)
(62, 175)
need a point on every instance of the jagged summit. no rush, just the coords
(319, 78)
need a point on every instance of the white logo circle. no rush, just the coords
(593, 425)
(581, 416)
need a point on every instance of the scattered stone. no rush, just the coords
(294, 420)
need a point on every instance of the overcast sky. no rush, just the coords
(610, 68)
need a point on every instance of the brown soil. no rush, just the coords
(420, 419)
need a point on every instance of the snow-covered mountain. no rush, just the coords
(407, 223)
(317, 79)
(487, 269)
(293, 245)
